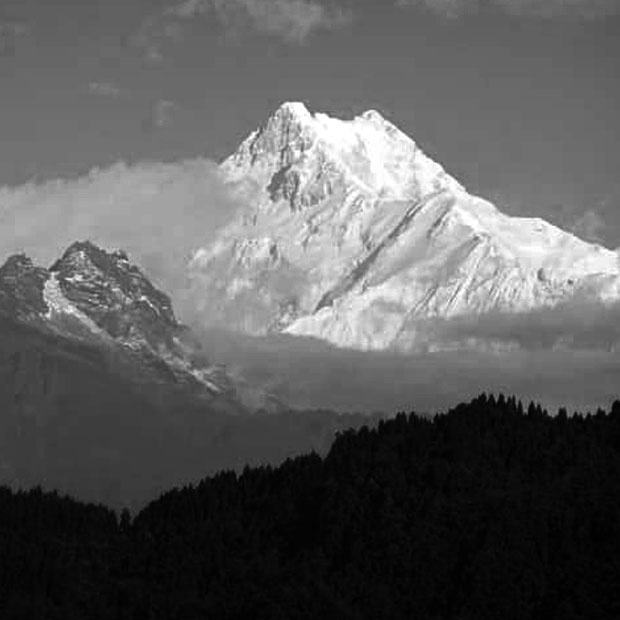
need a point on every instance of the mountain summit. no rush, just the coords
(115, 294)
(350, 233)
(309, 156)
(102, 299)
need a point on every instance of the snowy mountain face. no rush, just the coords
(101, 298)
(352, 234)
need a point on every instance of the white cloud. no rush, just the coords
(159, 213)
(104, 89)
(153, 34)
(310, 374)
(188, 9)
(450, 9)
(291, 21)
(548, 9)
(163, 112)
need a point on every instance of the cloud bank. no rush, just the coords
(544, 9)
(158, 212)
(310, 374)
(293, 21)
(289, 21)
(563, 356)
(579, 324)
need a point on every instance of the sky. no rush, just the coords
(518, 99)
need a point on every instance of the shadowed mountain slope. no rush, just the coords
(105, 395)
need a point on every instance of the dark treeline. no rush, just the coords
(486, 512)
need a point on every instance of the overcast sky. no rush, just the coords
(519, 99)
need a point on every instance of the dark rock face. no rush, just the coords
(100, 298)
(21, 288)
(116, 295)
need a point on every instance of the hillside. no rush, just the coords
(105, 395)
(487, 511)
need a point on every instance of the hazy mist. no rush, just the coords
(157, 212)
(310, 373)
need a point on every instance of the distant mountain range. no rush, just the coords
(351, 234)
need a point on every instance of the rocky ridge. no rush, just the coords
(101, 298)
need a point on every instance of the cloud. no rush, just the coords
(154, 34)
(563, 356)
(159, 213)
(104, 89)
(290, 21)
(544, 9)
(163, 112)
(10, 33)
(310, 374)
(559, 357)
(450, 9)
(579, 324)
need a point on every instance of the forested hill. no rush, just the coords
(485, 512)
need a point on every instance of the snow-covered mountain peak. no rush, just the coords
(110, 289)
(304, 158)
(373, 116)
(87, 256)
(101, 298)
(352, 234)
(293, 110)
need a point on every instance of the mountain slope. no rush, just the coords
(73, 418)
(104, 394)
(102, 299)
(351, 234)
